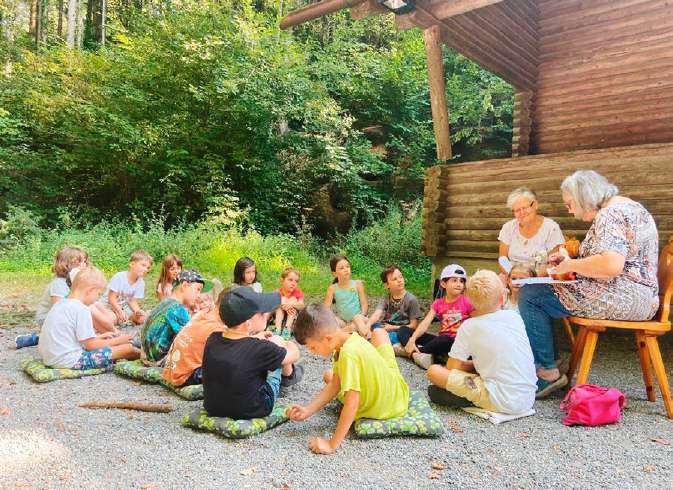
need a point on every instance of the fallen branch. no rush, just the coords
(143, 407)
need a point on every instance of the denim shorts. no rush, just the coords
(92, 359)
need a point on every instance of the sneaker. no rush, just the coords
(29, 340)
(446, 398)
(294, 378)
(422, 360)
(546, 388)
(399, 350)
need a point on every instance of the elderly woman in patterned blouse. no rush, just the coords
(616, 270)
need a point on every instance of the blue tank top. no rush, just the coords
(347, 301)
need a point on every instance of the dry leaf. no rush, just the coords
(21, 484)
(438, 466)
(5, 411)
(434, 475)
(453, 426)
(650, 468)
(663, 442)
(523, 435)
(284, 486)
(249, 471)
(147, 486)
(557, 447)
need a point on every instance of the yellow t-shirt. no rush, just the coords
(374, 373)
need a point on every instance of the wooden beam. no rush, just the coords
(440, 115)
(315, 11)
(522, 123)
(447, 9)
(367, 9)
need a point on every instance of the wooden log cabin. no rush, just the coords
(593, 82)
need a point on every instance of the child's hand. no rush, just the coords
(279, 341)
(264, 335)
(320, 446)
(126, 338)
(297, 413)
(121, 316)
(411, 347)
(106, 335)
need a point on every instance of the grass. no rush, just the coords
(25, 267)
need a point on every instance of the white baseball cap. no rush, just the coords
(453, 270)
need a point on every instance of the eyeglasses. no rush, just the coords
(523, 209)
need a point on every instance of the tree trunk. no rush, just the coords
(103, 21)
(72, 23)
(42, 21)
(32, 22)
(59, 27)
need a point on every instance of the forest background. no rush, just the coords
(198, 127)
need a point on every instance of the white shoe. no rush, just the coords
(422, 360)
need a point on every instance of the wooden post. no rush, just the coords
(522, 123)
(440, 114)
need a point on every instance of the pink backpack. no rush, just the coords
(592, 405)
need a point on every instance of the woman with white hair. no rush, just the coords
(616, 270)
(529, 233)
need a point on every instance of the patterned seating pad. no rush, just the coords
(43, 374)
(420, 420)
(235, 429)
(152, 374)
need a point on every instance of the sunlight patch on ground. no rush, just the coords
(23, 451)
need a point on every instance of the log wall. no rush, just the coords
(464, 204)
(605, 74)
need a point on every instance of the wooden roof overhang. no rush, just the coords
(500, 35)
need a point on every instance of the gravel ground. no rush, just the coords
(47, 441)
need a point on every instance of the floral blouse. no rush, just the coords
(628, 229)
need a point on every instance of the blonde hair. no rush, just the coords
(287, 271)
(139, 255)
(65, 260)
(484, 290)
(89, 277)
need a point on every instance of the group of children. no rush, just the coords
(228, 345)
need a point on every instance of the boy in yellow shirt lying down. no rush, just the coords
(364, 377)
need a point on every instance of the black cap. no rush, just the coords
(190, 275)
(242, 303)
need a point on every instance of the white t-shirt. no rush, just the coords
(126, 292)
(522, 249)
(67, 324)
(502, 356)
(58, 287)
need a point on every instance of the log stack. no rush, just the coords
(464, 204)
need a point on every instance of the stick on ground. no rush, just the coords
(143, 407)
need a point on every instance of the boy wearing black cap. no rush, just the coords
(168, 317)
(244, 367)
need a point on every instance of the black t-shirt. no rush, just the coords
(234, 375)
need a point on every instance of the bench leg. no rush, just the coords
(587, 356)
(578, 346)
(646, 364)
(660, 370)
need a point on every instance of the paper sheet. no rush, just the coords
(539, 280)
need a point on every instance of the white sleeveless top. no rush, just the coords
(522, 249)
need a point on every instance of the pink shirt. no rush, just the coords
(452, 315)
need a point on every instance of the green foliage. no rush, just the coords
(209, 110)
(19, 226)
(215, 250)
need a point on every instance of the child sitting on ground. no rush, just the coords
(245, 274)
(184, 360)
(399, 308)
(491, 363)
(364, 376)
(168, 317)
(68, 339)
(244, 366)
(291, 300)
(520, 270)
(349, 296)
(65, 260)
(171, 267)
(119, 303)
(453, 309)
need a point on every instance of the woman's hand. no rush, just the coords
(320, 446)
(563, 267)
(411, 347)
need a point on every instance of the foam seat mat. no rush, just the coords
(43, 374)
(232, 428)
(152, 374)
(420, 420)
